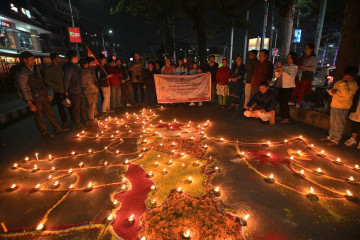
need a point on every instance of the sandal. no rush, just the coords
(286, 121)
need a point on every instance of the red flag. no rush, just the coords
(90, 54)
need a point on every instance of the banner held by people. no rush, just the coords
(183, 88)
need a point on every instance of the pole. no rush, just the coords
(246, 37)
(272, 27)
(264, 26)
(73, 25)
(297, 27)
(275, 37)
(320, 25)
(231, 44)
(102, 36)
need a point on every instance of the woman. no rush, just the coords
(180, 69)
(286, 83)
(236, 84)
(168, 68)
(222, 81)
(306, 71)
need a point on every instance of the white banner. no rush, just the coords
(183, 88)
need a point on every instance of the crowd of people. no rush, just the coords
(76, 84)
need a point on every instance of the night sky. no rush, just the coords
(134, 34)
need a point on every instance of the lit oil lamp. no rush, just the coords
(187, 234)
(26, 159)
(153, 187)
(90, 151)
(189, 179)
(90, 185)
(40, 227)
(179, 190)
(81, 164)
(106, 164)
(70, 171)
(15, 166)
(50, 157)
(131, 218)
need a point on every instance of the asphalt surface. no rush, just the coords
(277, 211)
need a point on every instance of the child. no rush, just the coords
(222, 80)
(343, 93)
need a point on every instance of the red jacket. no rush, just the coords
(117, 74)
(223, 75)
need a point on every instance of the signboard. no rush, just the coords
(104, 52)
(183, 88)
(255, 43)
(297, 35)
(20, 11)
(5, 24)
(74, 33)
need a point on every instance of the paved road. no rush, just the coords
(278, 211)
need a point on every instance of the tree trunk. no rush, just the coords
(349, 50)
(288, 29)
(200, 29)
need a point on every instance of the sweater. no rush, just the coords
(223, 75)
(148, 77)
(343, 98)
(54, 76)
(266, 101)
(263, 71)
(288, 76)
(101, 76)
(212, 69)
(250, 64)
(136, 68)
(72, 78)
(88, 81)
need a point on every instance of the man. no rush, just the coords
(342, 94)
(212, 67)
(103, 82)
(73, 89)
(263, 71)
(115, 84)
(54, 78)
(136, 68)
(33, 91)
(149, 84)
(89, 88)
(250, 64)
(262, 105)
(126, 87)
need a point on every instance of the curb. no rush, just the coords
(14, 115)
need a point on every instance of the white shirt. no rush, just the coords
(288, 76)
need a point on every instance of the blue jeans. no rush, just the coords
(337, 122)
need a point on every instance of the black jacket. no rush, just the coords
(148, 77)
(266, 101)
(72, 78)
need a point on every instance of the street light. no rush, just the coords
(102, 36)
(275, 35)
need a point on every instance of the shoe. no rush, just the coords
(297, 106)
(222, 106)
(278, 118)
(47, 136)
(200, 104)
(192, 104)
(326, 139)
(285, 121)
(350, 142)
(264, 122)
(291, 104)
(333, 143)
(62, 130)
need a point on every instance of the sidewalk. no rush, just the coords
(12, 108)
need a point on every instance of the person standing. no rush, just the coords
(237, 83)
(73, 89)
(212, 68)
(157, 68)
(126, 87)
(180, 69)
(92, 66)
(168, 68)
(104, 84)
(306, 71)
(89, 88)
(31, 87)
(54, 78)
(136, 68)
(222, 80)
(149, 84)
(115, 84)
(286, 84)
(250, 64)
(263, 71)
(354, 118)
(342, 94)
